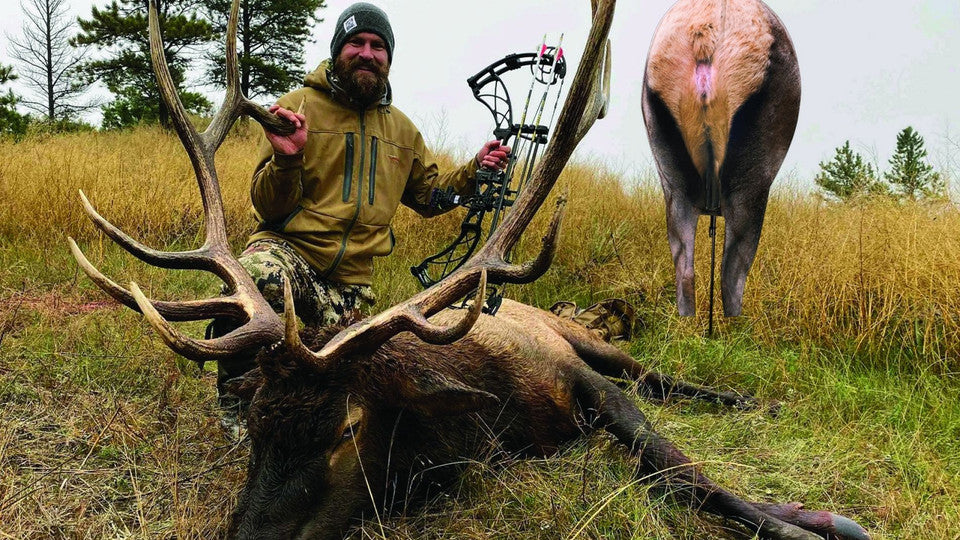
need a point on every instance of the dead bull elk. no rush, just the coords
(356, 420)
(721, 95)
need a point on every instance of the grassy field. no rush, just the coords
(851, 320)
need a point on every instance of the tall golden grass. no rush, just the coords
(140, 180)
(856, 276)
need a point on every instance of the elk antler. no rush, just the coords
(601, 95)
(260, 325)
(586, 101)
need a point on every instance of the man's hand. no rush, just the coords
(493, 156)
(288, 144)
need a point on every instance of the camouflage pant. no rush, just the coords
(317, 302)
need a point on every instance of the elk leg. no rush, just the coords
(742, 228)
(612, 362)
(826, 524)
(765, 125)
(681, 233)
(679, 179)
(659, 458)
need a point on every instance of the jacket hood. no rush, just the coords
(322, 79)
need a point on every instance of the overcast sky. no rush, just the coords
(869, 69)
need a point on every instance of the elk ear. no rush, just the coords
(246, 385)
(432, 393)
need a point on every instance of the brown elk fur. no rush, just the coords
(374, 429)
(731, 39)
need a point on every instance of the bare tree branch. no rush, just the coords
(47, 60)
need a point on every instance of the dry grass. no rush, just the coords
(850, 319)
(868, 274)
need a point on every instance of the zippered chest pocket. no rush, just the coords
(348, 166)
(372, 181)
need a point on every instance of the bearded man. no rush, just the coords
(324, 196)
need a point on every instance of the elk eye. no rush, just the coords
(350, 432)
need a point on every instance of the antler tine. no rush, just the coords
(372, 332)
(194, 259)
(291, 333)
(411, 316)
(260, 325)
(600, 95)
(256, 333)
(531, 270)
(442, 335)
(230, 109)
(191, 310)
(234, 102)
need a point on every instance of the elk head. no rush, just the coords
(322, 431)
(314, 419)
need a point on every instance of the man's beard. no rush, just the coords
(362, 87)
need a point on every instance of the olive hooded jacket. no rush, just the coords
(333, 202)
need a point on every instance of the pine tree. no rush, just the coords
(11, 122)
(909, 172)
(847, 176)
(271, 35)
(120, 30)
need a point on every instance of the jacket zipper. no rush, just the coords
(348, 168)
(373, 169)
(356, 213)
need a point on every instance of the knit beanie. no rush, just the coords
(361, 17)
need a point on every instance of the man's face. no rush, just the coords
(363, 66)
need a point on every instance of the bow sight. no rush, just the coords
(496, 190)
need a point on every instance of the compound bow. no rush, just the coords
(495, 190)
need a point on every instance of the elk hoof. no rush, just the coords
(848, 529)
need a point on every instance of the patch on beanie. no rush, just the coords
(350, 24)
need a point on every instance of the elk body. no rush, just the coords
(367, 411)
(721, 96)
(379, 428)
